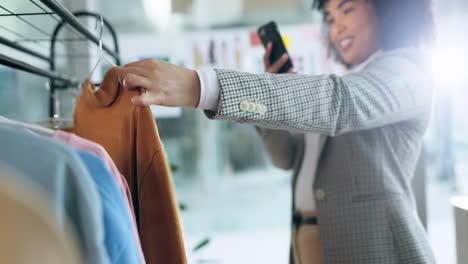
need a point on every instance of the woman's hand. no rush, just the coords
(161, 83)
(278, 64)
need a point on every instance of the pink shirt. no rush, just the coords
(87, 145)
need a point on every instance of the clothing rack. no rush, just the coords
(64, 19)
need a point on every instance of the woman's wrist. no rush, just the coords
(195, 89)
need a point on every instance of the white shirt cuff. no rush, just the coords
(209, 90)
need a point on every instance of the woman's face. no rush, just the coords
(352, 28)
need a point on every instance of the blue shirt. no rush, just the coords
(55, 169)
(119, 237)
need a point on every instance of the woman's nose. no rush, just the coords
(339, 28)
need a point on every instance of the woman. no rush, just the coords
(374, 120)
(300, 152)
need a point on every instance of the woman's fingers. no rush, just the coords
(278, 64)
(147, 99)
(161, 83)
(140, 71)
(146, 63)
(266, 56)
(133, 82)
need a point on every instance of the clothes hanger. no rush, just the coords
(33, 128)
(101, 53)
(56, 122)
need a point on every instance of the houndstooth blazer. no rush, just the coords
(375, 120)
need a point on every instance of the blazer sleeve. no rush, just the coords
(282, 146)
(395, 87)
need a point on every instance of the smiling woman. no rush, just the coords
(395, 24)
(360, 134)
(352, 27)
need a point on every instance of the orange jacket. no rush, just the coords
(130, 135)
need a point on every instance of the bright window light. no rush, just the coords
(449, 56)
(449, 64)
(159, 12)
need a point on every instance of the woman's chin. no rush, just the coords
(347, 60)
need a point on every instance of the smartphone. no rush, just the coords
(269, 33)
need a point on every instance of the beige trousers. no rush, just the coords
(306, 243)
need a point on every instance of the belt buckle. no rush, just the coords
(297, 219)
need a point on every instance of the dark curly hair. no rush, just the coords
(401, 23)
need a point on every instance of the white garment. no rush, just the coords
(209, 89)
(304, 195)
(363, 64)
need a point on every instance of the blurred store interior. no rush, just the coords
(225, 183)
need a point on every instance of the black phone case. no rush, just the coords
(269, 33)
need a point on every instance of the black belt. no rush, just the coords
(298, 220)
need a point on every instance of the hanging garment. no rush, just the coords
(87, 145)
(130, 136)
(58, 171)
(30, 232)
(119, 237)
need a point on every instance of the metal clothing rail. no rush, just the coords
(17, 46)
(21, 41)
(68, 20)
(75, 23)
(53, 54)
(54, 39)
(20, 65)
